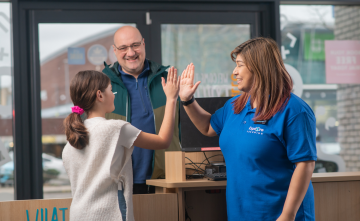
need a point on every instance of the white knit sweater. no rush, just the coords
(94, 185)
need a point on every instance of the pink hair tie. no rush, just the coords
(77, 109)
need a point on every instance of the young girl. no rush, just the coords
(97, 157)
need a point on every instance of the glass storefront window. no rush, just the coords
(66, 49)
(6, 116)
(208, 50)
(304, 30)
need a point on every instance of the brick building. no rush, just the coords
(347, 27)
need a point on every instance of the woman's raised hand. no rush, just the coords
(172, 85)
(187, 86)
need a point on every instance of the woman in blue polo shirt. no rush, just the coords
(267, 136)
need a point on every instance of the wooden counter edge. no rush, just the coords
(316, 178)
(335, 177)
(185, 184)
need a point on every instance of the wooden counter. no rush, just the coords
(337, 195)
(316, 178)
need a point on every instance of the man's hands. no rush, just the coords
(172, 85)
(187, 86)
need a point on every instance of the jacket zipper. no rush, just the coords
(127, 108)
(152, 108)
(128, 98)
(142, 99)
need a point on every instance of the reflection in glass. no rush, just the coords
(66, 49)
(304, 29)
(208, 47)
(6, 136)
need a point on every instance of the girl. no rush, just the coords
(97, 157)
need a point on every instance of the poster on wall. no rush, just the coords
(342, 62)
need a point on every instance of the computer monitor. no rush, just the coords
(191, 138)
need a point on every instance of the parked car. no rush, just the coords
(50, 162)
(52, 169)
(7, 174)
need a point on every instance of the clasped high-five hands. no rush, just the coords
(180, 86)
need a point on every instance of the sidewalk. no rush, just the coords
(46, 189)
(50, 192)
(56, 189)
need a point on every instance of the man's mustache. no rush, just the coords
(132, 57)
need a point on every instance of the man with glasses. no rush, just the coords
(140, 100)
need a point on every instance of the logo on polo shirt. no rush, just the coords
(255, 130)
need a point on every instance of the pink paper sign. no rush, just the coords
(342, 61)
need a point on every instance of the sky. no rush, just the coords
(54, 37)
(306, 13)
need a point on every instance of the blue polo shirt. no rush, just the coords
(142, 117)
(260, 159)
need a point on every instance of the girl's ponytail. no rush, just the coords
(83, 88)
(75, 131)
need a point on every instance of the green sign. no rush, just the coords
(314, 47)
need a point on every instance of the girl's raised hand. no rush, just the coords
(172, 85)
(187, 86)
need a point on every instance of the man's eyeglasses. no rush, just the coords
(124, 48)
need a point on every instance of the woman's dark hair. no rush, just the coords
(272, 83)
(83, 88)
